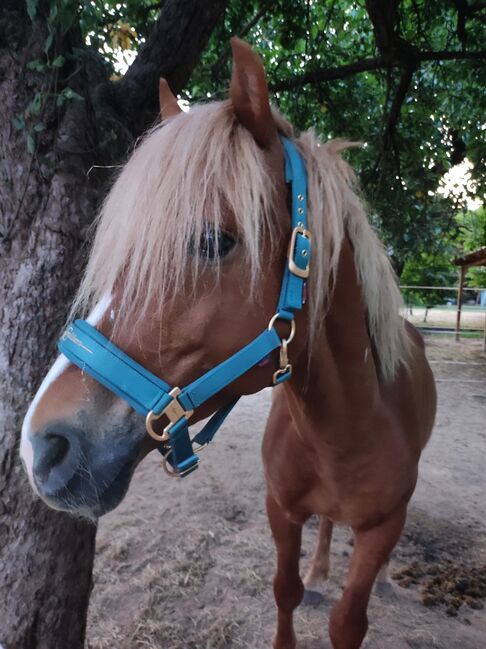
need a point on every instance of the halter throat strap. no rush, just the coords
(152, 397)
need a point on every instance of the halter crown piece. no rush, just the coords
(94, 354)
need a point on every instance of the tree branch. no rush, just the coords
(452, 55)
(243, 32)
(319, 75)
(394, 114)
(172, 51)
(385, 18)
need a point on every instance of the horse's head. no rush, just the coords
(185, 270)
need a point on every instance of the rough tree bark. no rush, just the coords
(47, 202)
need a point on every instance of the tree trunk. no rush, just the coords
(46, 205)
(47, 202)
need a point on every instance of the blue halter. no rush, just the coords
(94, 354)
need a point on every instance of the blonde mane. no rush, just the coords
(205, 160)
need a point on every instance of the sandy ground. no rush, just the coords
(446, 317)
(188, 564)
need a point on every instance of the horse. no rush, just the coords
(185, 269)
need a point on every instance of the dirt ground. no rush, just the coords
(189, 564)
(446, 317)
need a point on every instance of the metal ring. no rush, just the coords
(151, 417)
(292, 327)
(165, 465)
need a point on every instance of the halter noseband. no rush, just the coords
(94, 354)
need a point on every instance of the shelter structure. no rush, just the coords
(475, 258)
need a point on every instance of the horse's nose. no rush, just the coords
(55, 460)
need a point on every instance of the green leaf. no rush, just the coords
(32, 9)
(52, 14)
(30, 144)
(35, 105)
(39, 127)
(60, 100)
(37, 65)
(48, 43)
(18, 122)
(58, 61)
(69, 93)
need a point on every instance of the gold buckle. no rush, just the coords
(303, 273)
(173, 411)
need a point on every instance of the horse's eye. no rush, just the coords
(215, 244)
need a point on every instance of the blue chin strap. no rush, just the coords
(94, 354)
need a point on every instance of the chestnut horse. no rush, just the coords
(186, 268)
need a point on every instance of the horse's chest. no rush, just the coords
(352, 493)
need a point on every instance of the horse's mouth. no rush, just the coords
(92, 496)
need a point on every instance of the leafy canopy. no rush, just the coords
(418, 106)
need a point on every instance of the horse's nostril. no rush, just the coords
(49, 451)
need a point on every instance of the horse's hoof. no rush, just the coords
(312, 598)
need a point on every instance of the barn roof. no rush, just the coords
(475, 258)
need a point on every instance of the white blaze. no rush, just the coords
(60, 364)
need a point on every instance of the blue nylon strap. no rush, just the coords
(87, 348)
(211, 428)
(182, 457)
(94, 354)
(222, 375)
(292, 291)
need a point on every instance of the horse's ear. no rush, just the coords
(249, 93)
(168, 103)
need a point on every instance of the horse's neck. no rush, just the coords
(341, 380)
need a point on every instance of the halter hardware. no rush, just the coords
(284, 372)
(174, 473)
(173, 411)
(285, 369)
(303, 273)
(152, 397)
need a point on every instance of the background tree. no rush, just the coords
(404, 76)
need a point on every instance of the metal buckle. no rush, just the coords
(303, 273)
(173, 411)
(285, 366)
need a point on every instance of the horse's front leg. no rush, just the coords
(372, 548)
(287, 585)
(315, 579)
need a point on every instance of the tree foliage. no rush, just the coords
(405, 77)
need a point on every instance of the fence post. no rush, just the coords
(459, 301)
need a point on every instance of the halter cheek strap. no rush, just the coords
(94, 354)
